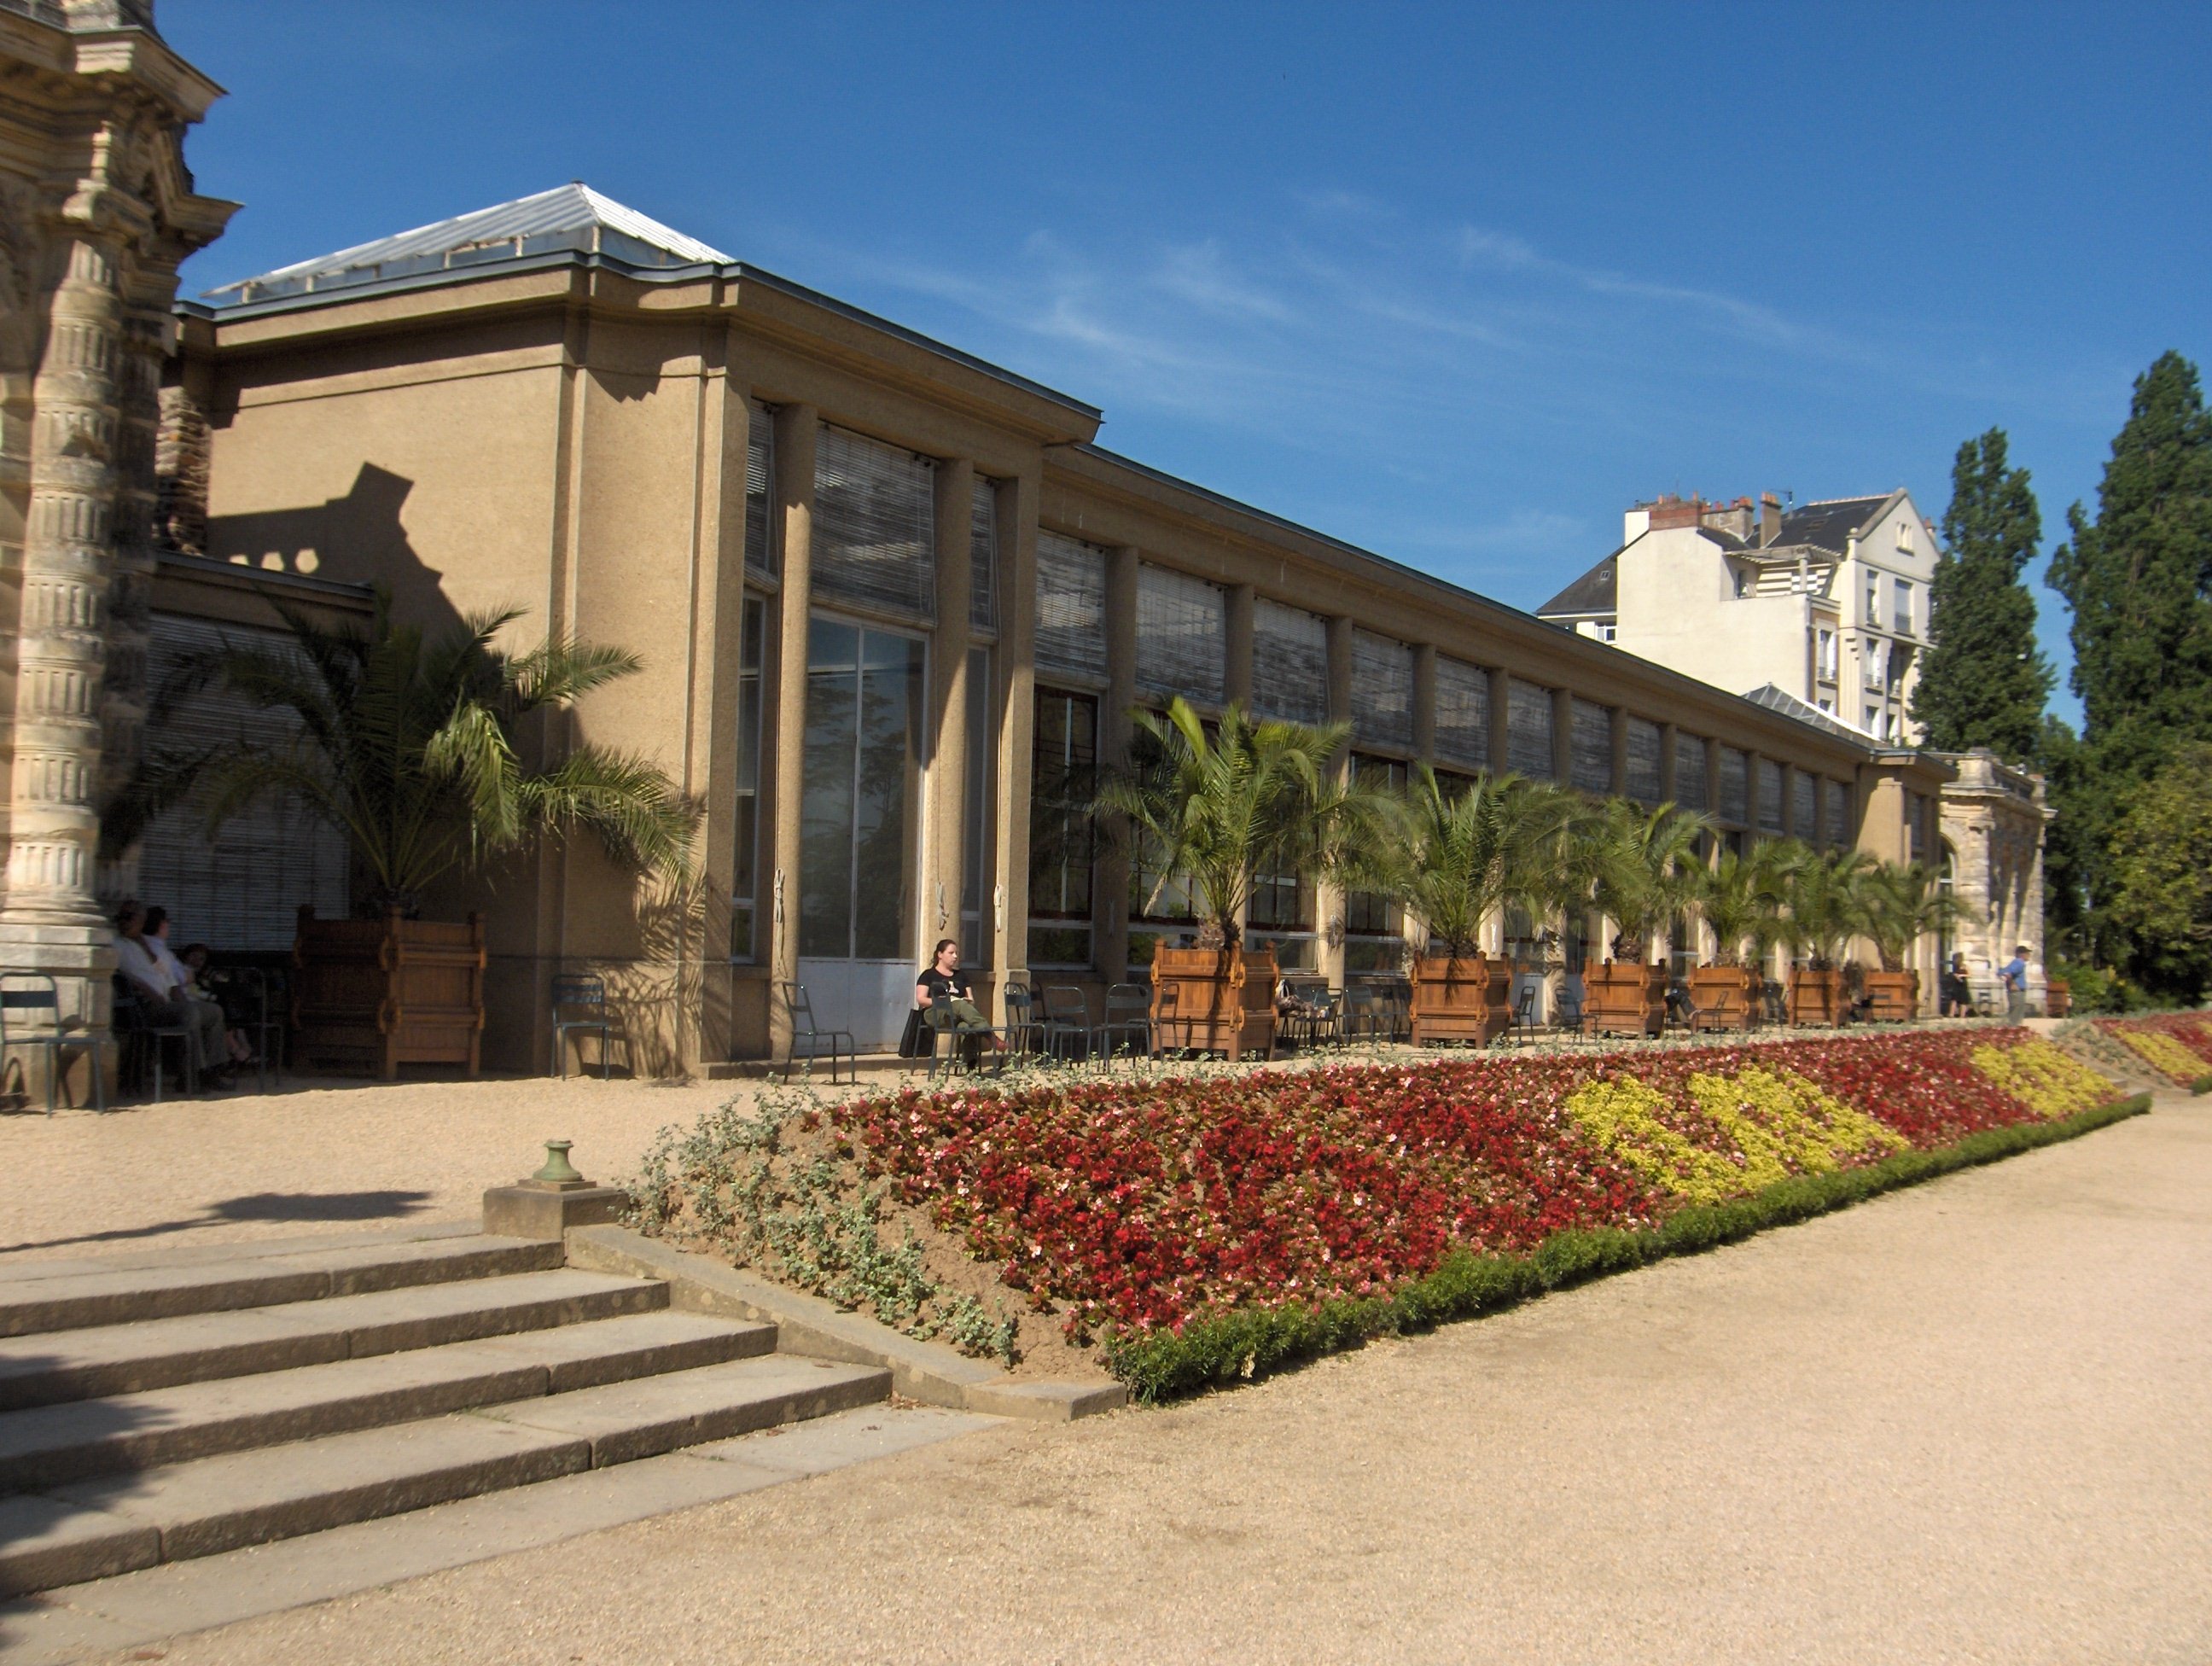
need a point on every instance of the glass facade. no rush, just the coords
(865, 704)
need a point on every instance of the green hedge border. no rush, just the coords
(2202, 1085)
(1251, 1342)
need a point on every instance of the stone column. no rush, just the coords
(124, 693)
(1007, 908)
(777, 913)
(1109, 895)
(1329, 898)
(939, 914)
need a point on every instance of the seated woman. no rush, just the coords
(944, 987)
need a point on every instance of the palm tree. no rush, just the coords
(1732, 900)
(1249, 797)
(1827, 906)
(1904, 904)
(1493, 844)
(407, 744)
(1645, 869)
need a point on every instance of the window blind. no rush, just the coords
(874, 526)
(1593, 747)
(1804, 803)
(1289, 663)
(240, 888)
(983, 556)
(1733, 768)
(1383, 691)
(1836, 824)
(1770, 796)
(1071, 606)
(760, 486)
(1644, 738)
(1462, 712)
(1182, 635)
(1690, 773)
(1528, 730)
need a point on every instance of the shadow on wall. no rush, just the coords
(359, 539)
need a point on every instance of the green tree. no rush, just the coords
(2161, 877)
(1644, 870)
(1492, 845)
(1984, 680)
(2139, 582)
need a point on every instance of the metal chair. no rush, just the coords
(810, 1042)
(1362, 1012)
(969, 1047)
(261, 1014)
(141, 1037)
(32, 994)
(1024, 1032)
(1524, 1023)
(1128, 1014)
(1778, 1009)
(1568, 1020)
(579, 1006)
(1066, 1021)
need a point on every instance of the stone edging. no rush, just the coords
(927, 1371)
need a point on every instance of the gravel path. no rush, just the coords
(1965, 1422)
(245, 1165)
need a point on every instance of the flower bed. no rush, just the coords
(1162, 1217)
(2178, 1045)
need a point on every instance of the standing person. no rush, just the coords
(2015, 976)
(164, 985)
(1958, 996)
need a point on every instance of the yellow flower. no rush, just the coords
(2166, 1056)
(1623, 1118)
(2049, 1082)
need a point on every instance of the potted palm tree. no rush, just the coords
(1218, 808)
(1741, 897)
(1644, 870)
(1494, 844)
(1902, 905)
(1827, 908)
(407, 744)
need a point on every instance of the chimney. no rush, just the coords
(1733, 519)
(1769, 519)
(1671, 511)
(1634, 523)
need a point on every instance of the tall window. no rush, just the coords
(1371, 927)
(983, 556)
(875, 525)
(745, 872)
(1874, 601)
(976, 813)
(1827, 660)
(1182, 635)
(1064, 780)
(1902, 596)
(1463, 728)
(760, 478)
(865, 699)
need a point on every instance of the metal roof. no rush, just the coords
(1781, 700)
(572, 217)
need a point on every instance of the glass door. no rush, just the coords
(859, 817)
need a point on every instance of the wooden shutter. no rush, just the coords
(1733, 792)
(1593, 747)
(875, 535)
(1462, 712)
(760, 487)
(1528, 730)
(1071, 607)
(1289, 663)
(1770, 796)
(983, 556)
(1183, 626)
(1644, 746)
(1383, 691)
(240, 888)
(1690, 772)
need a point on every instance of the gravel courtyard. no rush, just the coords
(1963, 1423)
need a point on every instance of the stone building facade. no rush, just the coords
(1993, 817)
(97, 209)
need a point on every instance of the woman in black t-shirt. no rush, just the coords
(942, 986)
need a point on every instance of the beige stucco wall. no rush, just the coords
(1678, 608)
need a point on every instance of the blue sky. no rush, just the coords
(1458, 285)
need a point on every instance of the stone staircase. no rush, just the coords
(155, 1409)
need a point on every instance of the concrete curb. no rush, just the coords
(927, 1371)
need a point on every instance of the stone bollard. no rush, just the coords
(550, 1201)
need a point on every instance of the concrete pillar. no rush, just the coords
(1109, 896)
(1007, 908)
(948, 764)
(1236, 680)
(1329, 898)
(796, 430)
(1425, 702)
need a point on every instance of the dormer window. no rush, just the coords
(1742, 583)
(1905, 537)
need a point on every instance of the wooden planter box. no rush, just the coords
(1214, 1001)
(2057, 1000)
(1468, 999)
(378, 993)
(1725, 997)
(1624, 999)
(1895, 996)
(1817, 998)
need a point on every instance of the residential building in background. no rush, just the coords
(1827, 602)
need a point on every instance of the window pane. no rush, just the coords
(1181, 632)
(1690, 772)
(1071, 606)
(1643, 737)
(1593, 747)
(889, 791)
(1462, 712)
(825, 868)
(1770, 796)
(1289, 663)
(1528, 730)
(1381, 690)
(875, 525)
(983, 556)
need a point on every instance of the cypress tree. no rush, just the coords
(2139, 582)
(1984, 680)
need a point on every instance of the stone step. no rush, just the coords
(82, 1299)
(89, 1530)
(45, 1445)
(108, 1360)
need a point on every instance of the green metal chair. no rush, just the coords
(34, 993)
